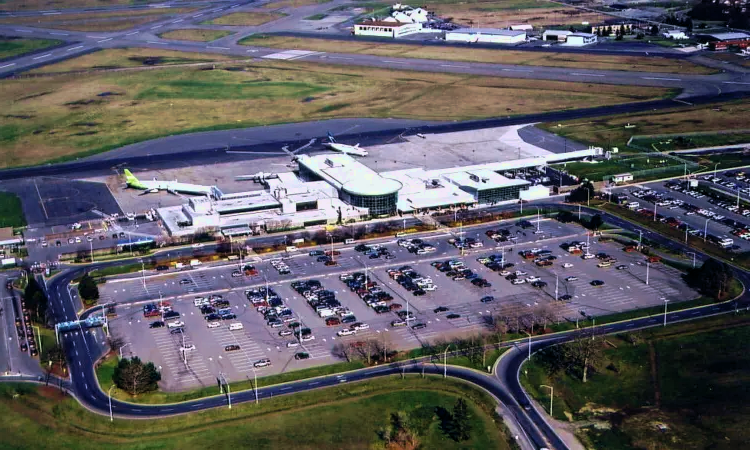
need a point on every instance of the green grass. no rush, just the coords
(317, 17)
(202, 90)
(11, 46)
(11, 212)
(689, 377)
(346, 416)
(127, 268)
(620, 164)
(104, 374)
(688, 141)
(724, 159)
(465, 361)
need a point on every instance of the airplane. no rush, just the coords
(258, 177)
(172, 187)
(344, 148)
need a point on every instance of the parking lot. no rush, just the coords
(444, 308)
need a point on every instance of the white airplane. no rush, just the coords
(344, 148)
(155, 185)
(258, 177)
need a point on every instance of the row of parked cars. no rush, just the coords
(411, 280)
(416, 246)
(374, 251)
(373, 295)
(457, 270)
(281, 266)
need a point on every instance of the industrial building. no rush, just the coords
(556, 35)
(723, 41)
(386, 28)
(580, 39)
(336, 188)
(486, 35)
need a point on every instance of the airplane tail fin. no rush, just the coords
(330, 137)
(130, 178)
(357, 146)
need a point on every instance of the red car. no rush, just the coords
(394, 306)
(333, 321)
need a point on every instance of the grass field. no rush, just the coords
(616, 165)
(490, 358)
(679, 387)
(37, 417)
(551, 59)
(36, 5)
(501, 14)
(55, 117)
(98, 21)
(11, 213)
(118, 58)
(245, 19)
(292, 3)
(610, 131)
(690, 140)
(195, 34)
(13, 46)
(316, 17)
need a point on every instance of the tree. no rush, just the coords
(582, 193)
(115, 342)
(87, 289)
(654, 30)
(135, 377)
(596, 222)
(36, 300)
(583, 353)
(712, 278)
(461, 421)
(565, 217)
(399, 434)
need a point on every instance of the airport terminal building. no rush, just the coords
(337, 188)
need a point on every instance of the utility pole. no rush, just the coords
(551, 396)
(640, 238)
(648, 265)
(665, 311)
(692, 253)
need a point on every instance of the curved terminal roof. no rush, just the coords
(372, 186)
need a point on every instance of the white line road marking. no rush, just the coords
(51, 14)
(451, 65)
(96, 37)
(24, 31)
(157, 26)
(735, 82)
(134, 32)
(60, 34)
(105, 40)
(219, 48)
(662, 78)
(394, 62)
(177, 21)
(154, 42)
(198, 15)
(587, 74)
(285, 389)
(336, 57)
(7, 65)
(43, 56)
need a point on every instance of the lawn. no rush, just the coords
(499, 56)
(248, 19)
(118, 58)
(691, 140)
(490, 358)
(615, 131)
(49, 118)
(679, 387)
(38, 417)
(14, 46)
(195, 34)
(11, 213)
(40, 5)
(501, 14)
(597, 171)
(98, 21)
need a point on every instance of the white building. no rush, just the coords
(486, 35)
(675, 34)
(386, 28)
(556, 35)
(622, 177)
(580, 39)
(524, 27)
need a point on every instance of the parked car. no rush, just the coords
(301, 355)
(231, 347)
(262, 362)
(157, 324)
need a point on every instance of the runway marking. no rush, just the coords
(154, 42)
(60, 34)
(451, 65)
(219, 48)
(7, 65)
(586, 74)
(662, 78)
(394, 62)
(24, 31)
(40, 199)
(134, 32)
(105, 40)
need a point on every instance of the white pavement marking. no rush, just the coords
(451, 65)
(60, 34)
(154, 42)
(24, 31)
(105, 40)
(7, 65)
(518, 70)
(586, 74)
(662, 78)
(735, 82)
(134, 32)
(157, 26)
(177, 21)
(219, 48)
(394, 62)
(198, 15)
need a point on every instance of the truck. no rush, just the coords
(195, 262)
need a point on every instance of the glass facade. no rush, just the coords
(378, 205)
(500, 194)
(308, 175)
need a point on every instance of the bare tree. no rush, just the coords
(584, 352)
(115, 342)
(343, 350)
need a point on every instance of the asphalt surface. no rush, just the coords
(82, 352)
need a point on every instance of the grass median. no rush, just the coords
(61, 117)
(195, 34)
(673, 387)
(245, 19)
(14, 46)
(481, 55)
(38, 417)
(11, 211)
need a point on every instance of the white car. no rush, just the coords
(346, 332)
(532, 279)
(504, 273)
(520, 273)
(308, 338)
(213, 324)
(588, 256)
(567, 265)
(571, 278)
(291, 344)
(197, 245)
(360, 326)
(176, 324)
(262, 362)
(187, 348)
(518, 281)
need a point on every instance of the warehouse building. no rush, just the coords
(556, 35)
(486, 35)
(580, 39)
(386, 28)
(724, 41)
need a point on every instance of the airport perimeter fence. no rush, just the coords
(675, 166)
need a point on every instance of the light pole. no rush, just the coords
(111, 417)
(648, 265)
(229, 393)
(654, 212)
(39, 338)
(143, 275)
(255, 385)
(528, 358)
(445, 360)
(124, 345)
(538, 220)
(557, 280)
(705, 230)
(551, 396)
(91, 244)
(715, 166)
(640, 238)
(588, 197)
(665, 310)
(692, 253)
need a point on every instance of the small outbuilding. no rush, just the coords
(580, 39)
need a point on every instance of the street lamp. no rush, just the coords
(692, 253)
(640, 238)
(715, 166)
(528, 358)
(665, 310)
(445, 361)
(551, 396)
(39, 337)
(705, 230)
(229, 392)
(111, 417)
(125, 345)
